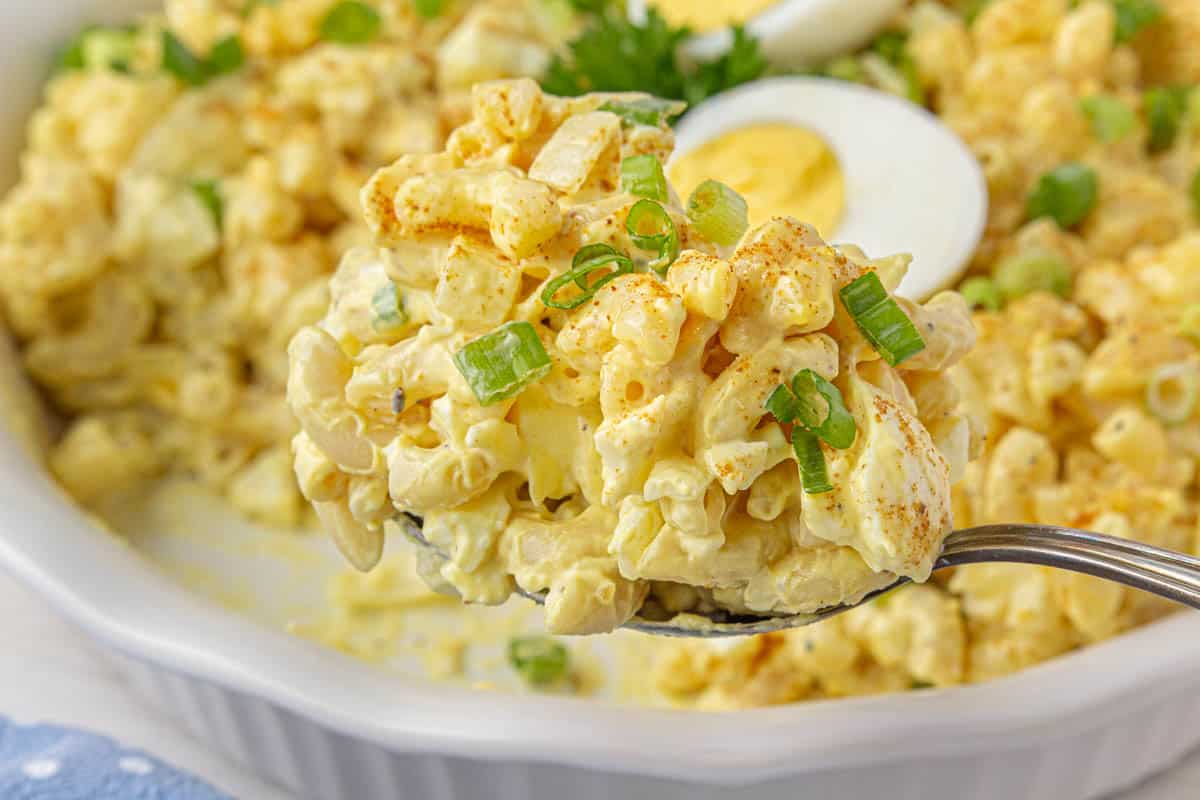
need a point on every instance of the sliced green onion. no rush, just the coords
(181, 62)
(846, 68)
(813, 475)
(1166, 107)
(387, 305)
(1133, 16)
(890, 66)
(210, 195)
(971, 9)
(650, 227)
(981, 292)
(881, 320)
(350, 22)
(589, 259)
(1194, 191)
(782, 404)
(500, 364)
(642, 176)
(1110, 118)
(830, 421)
(1067, 194)
(718, 212)
(102, 48)
(1172, 391)
(651, 111)
(540, 660)
(1189, 323)
(1033, 271)
(250, 5)
(429, 9)
(227, 56)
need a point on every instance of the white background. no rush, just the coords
(48, 673)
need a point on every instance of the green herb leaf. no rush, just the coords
(429, 9)
(1067, 194)
(540, 660)
(210, 195)
(742, 63)
(350, 22)
(614, 54)
(227, 56)
(1110, 118)
(1134, 16)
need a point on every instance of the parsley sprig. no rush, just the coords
(614, 54)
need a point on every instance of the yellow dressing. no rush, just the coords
(707, 15)
(781, 169)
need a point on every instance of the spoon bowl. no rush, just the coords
(1166, 573)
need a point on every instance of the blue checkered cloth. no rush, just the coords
(46, 762)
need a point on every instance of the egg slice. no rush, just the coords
(910, 185)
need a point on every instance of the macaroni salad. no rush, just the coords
(581, 387)
(188, 185)
(1086, 372)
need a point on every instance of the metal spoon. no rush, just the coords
(1165, 573)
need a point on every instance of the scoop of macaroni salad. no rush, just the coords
(580, 385)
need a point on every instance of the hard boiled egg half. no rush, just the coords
(861, 165)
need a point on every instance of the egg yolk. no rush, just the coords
(781, 170)
(708, 15)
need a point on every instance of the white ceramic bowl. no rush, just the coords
(335, 729)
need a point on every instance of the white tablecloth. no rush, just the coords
(49, 674)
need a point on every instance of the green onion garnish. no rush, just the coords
(830, 420)
(540, 660)
(1166, 107)
(782, 404)
(1067, 194)
(813, 475)
(1172, 391)
(981, 292)
(718, 212)
(971, 9)
(227, 56)
(1036, 270)
(101, 48)
(1133, 16)
(651, 111)
(816, 405)
(589, 259)
(1110, 118)
(350, 22)
(650, 227)
(881, 320)
(429, 9)
(387, 305)
(500, 364)
(1194, 191)
(210, 195)
(642, 176)
(1189, 323)
(845, 68)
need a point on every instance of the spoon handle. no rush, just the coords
(1172, 575)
